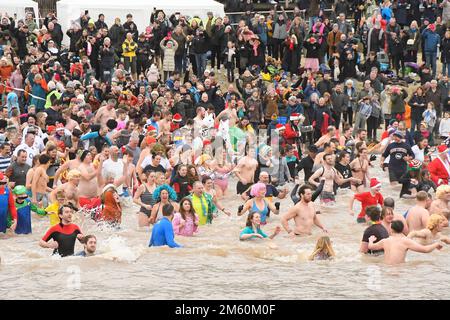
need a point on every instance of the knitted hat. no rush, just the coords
(414, 165)
(399, 134)
(295, 116)
(177, 117)
(375, 183)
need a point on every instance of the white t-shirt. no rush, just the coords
(114, 167)
(31, 152)
(418, 153)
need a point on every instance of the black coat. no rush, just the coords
(445, 50)
(200, 43)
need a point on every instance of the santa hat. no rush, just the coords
(432, 27)
(59, 126)
(280, 127)
(374, 183)
(442, 148)
(151, 129)
(414, 165)
(295, 116)
(177, 117)
(206, 142)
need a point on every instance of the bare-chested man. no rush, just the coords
(397, 245)
(67, 166)
(328, 148)
(91, 180)
(70, 188)
(331, 175)
(390, 203)
(106, 112)
(432, 232)
(441, 204)
(229, 113)
(39, 186)
(164, 124)
(303, 213)
(245, 171)
(417, 217)
(331, 133)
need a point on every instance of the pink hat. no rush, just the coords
(257, 188)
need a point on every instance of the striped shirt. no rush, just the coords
(5, 162)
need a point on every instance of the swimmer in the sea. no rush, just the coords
(432, 232)
(303, 213)
(396, 246)
(253, 230)
(324, 250)
(90, 246)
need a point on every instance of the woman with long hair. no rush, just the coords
(185, 222)
(253, 228)
(360, 168)
(323, 250)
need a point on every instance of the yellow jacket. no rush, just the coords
(129, 48)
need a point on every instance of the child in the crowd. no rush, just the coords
(292, 160)
(229, 58)
(324, 250)
(444, 126)
(429, 116)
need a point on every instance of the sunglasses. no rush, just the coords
(22, 198)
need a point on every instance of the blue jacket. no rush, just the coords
(162, 234)
(431, 40)
(93, 135)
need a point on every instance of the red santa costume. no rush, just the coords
(439, 168)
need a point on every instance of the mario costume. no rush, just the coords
(8, 211)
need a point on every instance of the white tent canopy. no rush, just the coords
(70, 10)
(19, 7)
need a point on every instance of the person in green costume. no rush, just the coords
(24, 208)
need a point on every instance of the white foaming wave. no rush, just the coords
(115, 248)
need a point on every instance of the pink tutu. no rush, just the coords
(312, 63)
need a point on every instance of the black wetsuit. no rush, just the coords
(65, 235)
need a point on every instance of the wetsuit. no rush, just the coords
(8, 211)
(65, 235)
(24, 216)
(162, 234)
(295, 197)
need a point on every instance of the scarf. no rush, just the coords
(291, 45)
(89, 49)
(255, 49)
(324, 127)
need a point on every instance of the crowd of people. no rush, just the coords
(163, 116)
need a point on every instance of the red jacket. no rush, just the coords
(438, 172)
(290, 134)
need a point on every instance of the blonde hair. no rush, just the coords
(73, 174)
(323, 245)
(434, 221)
(442, 190)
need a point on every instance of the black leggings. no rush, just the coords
(348, 116)
(372, 125)
(216, 53)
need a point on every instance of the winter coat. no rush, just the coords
(169, 55)
(431, 40)
(445, 50)
(398, 105)
(418, 105)
(279, 30)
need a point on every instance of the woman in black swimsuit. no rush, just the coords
(144, 198)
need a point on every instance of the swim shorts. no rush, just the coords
(395, 175)
(241, 188)
(327, 197)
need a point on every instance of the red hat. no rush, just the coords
(375, 183)
(432, 27)
(59, 126)
(442, 148)
(151, 129)
(295, 116)
(177, 117)
(51, 129)
(150, 140)
(206, 142)
(279, 127)
(312, 39)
